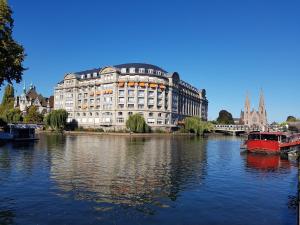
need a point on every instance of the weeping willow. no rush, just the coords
(197, 126)
(57, 119)
(136, 123)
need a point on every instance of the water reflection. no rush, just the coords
(128, 171)
(267, 162)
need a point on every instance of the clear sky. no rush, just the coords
(227, 47)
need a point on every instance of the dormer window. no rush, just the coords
(158, 72)
(150, 71)
(82, 76)
(132, 70)
(123, 70)
(94, 74)
(141, 70)
(88, 75)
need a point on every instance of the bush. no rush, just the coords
(136, 123)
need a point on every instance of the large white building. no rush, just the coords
(106, 97)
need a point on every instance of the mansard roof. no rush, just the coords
(125, 65)
(140, 65)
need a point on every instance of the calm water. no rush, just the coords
(155, 180)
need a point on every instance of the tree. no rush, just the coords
(7, 99)
(291, 119)
(225, 117)
(12, 54)
(136, 123)
(197, 126)
(13, 116)
(57, 119)
(33, 116)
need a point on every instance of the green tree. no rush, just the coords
(7, 99)
(33, 116)
(57, 119)
(11, 53)
(291, 119)
(225, 117)
(136, 123)
(197, 126)
(13, 116)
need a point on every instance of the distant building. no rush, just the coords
(255, 119)
(30, 97)
(107, 96)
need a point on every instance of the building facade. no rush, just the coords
(255, 119)
(106, 97)
(30, 97)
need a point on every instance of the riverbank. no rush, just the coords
(119, 133)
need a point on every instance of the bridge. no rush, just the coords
(234, 130)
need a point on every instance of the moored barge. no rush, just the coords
(272, 142)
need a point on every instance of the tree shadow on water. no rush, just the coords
(7, 217)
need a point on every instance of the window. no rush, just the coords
(84, 114)
(94, 74)
(123, 70)
(130, 113)
(88, 75)
(131, 100)
(82, 76)
(159, 122)
(151, 93)
(91, 101)
(150, 71)
(121, 92)
(130, 92)
(151, 114)
(141, 70)
(130, 106)
(97, 114)
(150, 101)
(78, 114)
(122, 100)
(91, 114)
(120, 120)
(141, 100)
(140, 106)
(151, 121)
(120, 113)
(85, 95)
(141, 93)
(158, 72)
(159, 114)
(132, 70)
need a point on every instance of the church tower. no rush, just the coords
(262, 110)
(247, 111)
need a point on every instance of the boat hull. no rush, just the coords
(264, 146)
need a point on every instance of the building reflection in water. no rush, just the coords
(129, 171)
(267, 162)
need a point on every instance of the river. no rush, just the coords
(143, 180)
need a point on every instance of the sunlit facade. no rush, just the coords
(106, 97)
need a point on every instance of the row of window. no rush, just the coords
(150, 114)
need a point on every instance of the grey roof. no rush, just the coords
(89, 71)
(127, 66)
(139, 65)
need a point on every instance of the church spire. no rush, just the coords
(262, 100)
(247, 104)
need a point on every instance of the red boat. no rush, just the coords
(272, 142)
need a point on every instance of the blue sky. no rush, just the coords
(227, 47)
